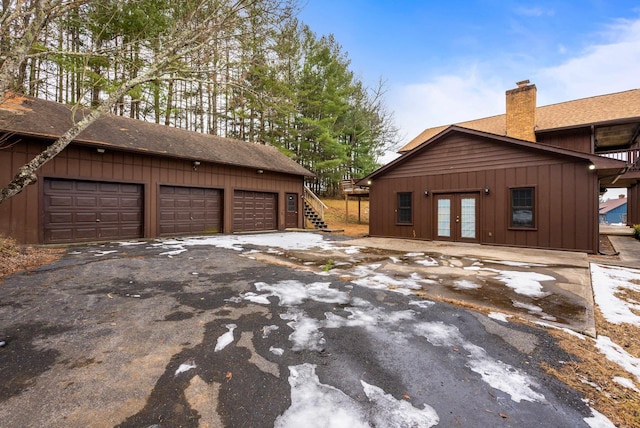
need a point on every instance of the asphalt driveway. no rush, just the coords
(276, 330)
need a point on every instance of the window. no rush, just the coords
(522, 207)
(291, 203)
(404, 208)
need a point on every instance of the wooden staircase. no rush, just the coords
(314, 209)
(313, 217)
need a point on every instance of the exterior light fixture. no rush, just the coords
(426, 192)
(196, 164)
(368, 182)
(592, 166)
(100, 150)
(260, 171)
(487, 190)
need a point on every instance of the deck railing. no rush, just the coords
(629, 156)
(315, 202)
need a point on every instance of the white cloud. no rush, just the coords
(447, 99)
(611, 66)
(477, 90)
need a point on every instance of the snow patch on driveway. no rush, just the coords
(499, 375)
(314, 404)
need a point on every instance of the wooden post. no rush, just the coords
(346, 204)
(359, 200)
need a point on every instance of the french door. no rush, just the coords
(456, 217)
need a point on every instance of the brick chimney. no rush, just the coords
(521, 111)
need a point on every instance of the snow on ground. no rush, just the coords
(226, 339)
(282, 241)
(314, 404)
(499, 316)
(464, 284)
(609, 285)
(499, 375)
(618, 355)
(598, 420)
(184, 367)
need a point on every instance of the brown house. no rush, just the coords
(530, 178)
(124, 178)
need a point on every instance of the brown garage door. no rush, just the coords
(78, 210)
(254, 211)
(188, 210)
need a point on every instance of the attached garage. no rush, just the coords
(254, 211)
(189, 210)
(123, 178)
(82, 210)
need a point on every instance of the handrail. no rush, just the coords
(315, 202)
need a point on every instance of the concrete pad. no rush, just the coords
(629, 249)
(524, 255)
(569, 297)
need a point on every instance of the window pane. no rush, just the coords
(522, 207)
(468, 217)
(404, 207)
(444, 217)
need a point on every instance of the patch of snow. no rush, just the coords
(423, 304)
(185, 367)
(598, 420)
(306, 331)
(276, 351)
(428, 262)
(394, 259)
(130, 243)
(566, 330)
(99, 253)
(414, 254)
(499, 316)
(533, 310)
(292, 292)
(226, 339)
(464, 284)
(318, 405)
(525, 283)
(390, 412)
(75, 253)
(609, 283)
(496, 373)
(618, 355)
(273, 241)
(380, 281)
(626, 382)
(267, 329)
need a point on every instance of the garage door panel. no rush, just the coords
(253, 211)
(189, 210)
(80, 210)
(83, 217)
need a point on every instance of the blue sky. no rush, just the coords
(447, 61)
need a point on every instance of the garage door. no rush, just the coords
(254, 211)
(189, 210)
(78, 210)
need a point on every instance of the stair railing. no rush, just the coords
(315, 202)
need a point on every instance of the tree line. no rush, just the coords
(244, 69)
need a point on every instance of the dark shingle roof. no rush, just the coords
(32, 116)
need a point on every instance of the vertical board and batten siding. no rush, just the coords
(571, 139)
(21, 217)
(565, 191)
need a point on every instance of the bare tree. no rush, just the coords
(195, 25)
